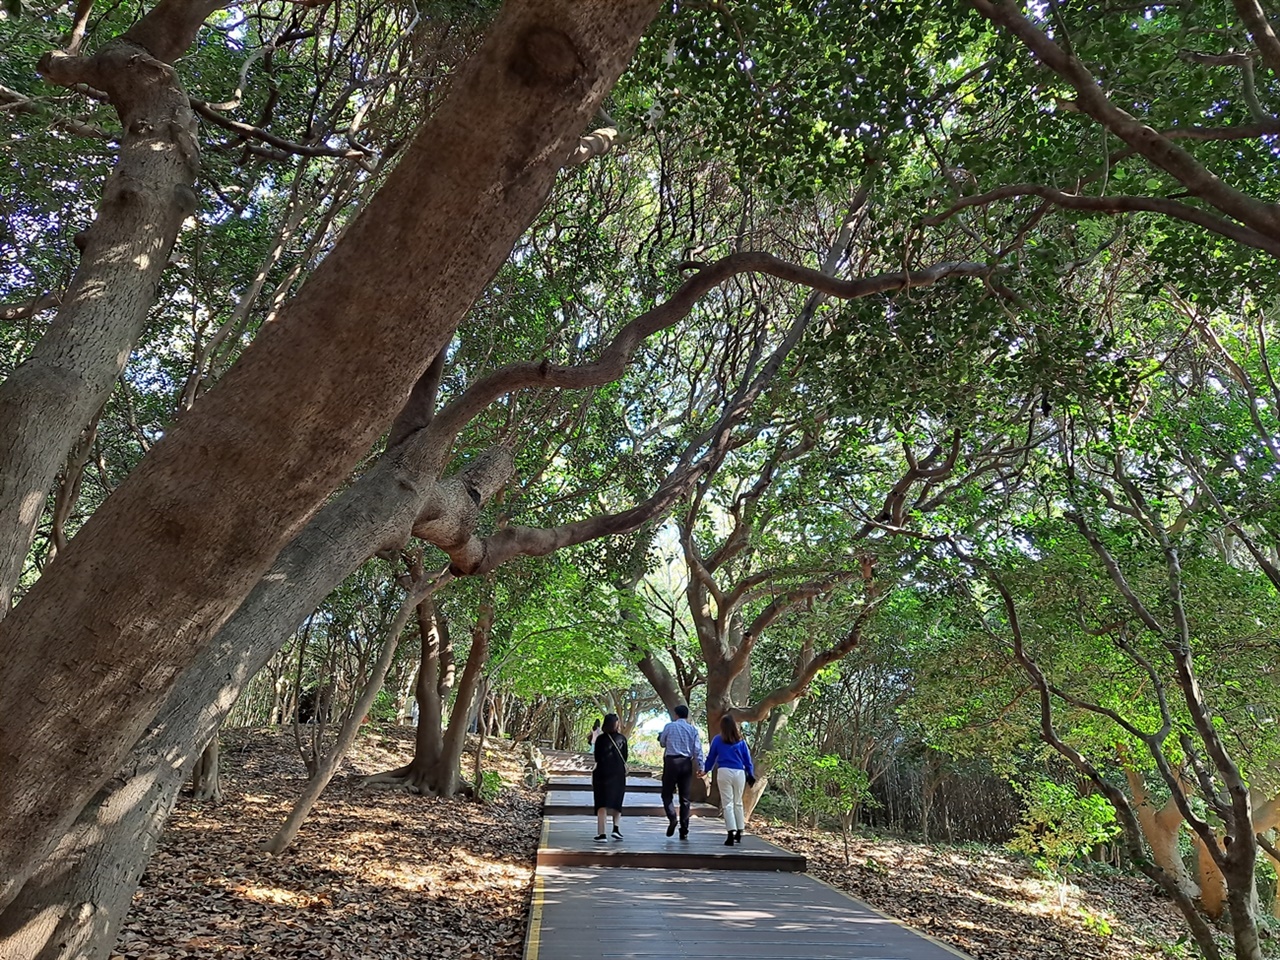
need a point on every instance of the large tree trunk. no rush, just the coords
(72, 908)
(47, 402)
(199, 521)
(436, 768)
(85, 887)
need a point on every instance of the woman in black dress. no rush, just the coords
(609, 779)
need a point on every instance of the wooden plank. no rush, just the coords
(635, 784)
(560, 803)
(594, 913)
(568, 841)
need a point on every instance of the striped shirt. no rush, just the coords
(681, 739)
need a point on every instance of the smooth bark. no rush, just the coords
(48, 401)
(154, 574)
(1162, 828)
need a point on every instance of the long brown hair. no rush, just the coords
(729, 731)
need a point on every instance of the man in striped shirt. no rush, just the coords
(682, 748)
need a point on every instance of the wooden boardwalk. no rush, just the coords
(582, 782)
(653, 897)
(568, 803)
(568, 842)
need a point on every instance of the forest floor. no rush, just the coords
(374, 874)
(996, 906)
(378, 874)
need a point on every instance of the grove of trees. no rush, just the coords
(898, 378)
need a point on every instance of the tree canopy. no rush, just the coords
(897, 378)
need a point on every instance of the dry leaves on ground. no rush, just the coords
(379, 874)
(374, 873)
(993, 906)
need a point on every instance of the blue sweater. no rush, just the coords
(730, 756)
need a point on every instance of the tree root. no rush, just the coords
(399, 777)
(405, 777)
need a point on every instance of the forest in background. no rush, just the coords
(897, 378)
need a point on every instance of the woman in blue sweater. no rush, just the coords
(729, 752)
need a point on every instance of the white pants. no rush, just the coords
(732, 784)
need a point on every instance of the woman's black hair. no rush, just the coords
(610, 723)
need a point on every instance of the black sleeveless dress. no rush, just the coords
(609, 779)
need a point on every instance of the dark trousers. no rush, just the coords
(677, 774)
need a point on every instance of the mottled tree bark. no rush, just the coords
(200, 520)
(1162, 827)
(49, 400)
(73, 906)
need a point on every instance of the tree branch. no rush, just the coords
(360, 154)
(24, 311)
(1116, 204)
(614, 357)
(1264, 38)
(788, 692)
(1159, 150)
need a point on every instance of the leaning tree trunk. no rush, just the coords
(73, 907)
(199, 521)
(46, 403)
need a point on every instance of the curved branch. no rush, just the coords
(614, 357)
(1158, 149)
(483, 556)
(28, 309)
(289, 146)
(789, 692)
(1116, 204)
(1264, 38)
(1124, 811)
(780, 605)
(1116, 574)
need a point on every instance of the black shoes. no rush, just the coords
(601, 838)
(737, 836)
(684, 834)
(729, 840)
(671, 826)
(617, 834)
